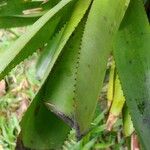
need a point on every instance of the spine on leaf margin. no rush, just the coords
(93, 58)
(64, 63)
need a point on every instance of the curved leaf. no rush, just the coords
(46, 131)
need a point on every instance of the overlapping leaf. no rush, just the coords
(35, 114)
(74, 61)
(46, 57)
(29, 121)
(132, 57)
(41, 129)
(33, 39)
(96, 46)
(61, 81)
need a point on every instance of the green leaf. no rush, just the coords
(63, 73)
(61, 80)
(46, 131)
(132, 57)
(42, 67)
(34, 38)
(55, 46)
(48, 138)
(96, 46)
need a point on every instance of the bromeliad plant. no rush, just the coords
(77, 37)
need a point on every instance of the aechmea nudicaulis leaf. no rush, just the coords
(102, 24)
(61, 83)
(132, 56)
(38, 107)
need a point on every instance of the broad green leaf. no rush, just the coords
(62, 76)
(60, 83)
(96, 45)
(46, 131)
(49, 137)
(57, 44)
(34, 38)
(132, 57)
(49, 140)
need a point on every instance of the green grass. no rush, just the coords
(21, 85)
(11, 102)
